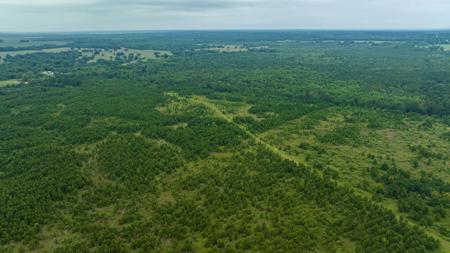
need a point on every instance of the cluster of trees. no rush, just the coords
(136, 162)
(63, 80)
(425, 199)
(425, 153)
(30, 66)
(31, 180)
(200, 137)
(344, 135)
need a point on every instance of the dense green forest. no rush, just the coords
(225, 141)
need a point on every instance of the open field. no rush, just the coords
(27, 42)
(125, 54)
(446, 47)
(225, 49)
(131, 55)
(6, 83)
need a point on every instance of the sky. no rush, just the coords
(107, 15)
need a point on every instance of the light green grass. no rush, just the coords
(11, 82)
(8, 42)
(446, 47)
(108, 55)
(111, 55)
(225, 49)
(352, 162)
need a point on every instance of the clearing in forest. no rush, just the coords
(223, 112)
(130, 55)
(446, 47)
(94, 55)
(225, 49)
(6, 83)
(26, 42)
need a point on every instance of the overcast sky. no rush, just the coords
(98, 15)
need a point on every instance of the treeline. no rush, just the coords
(32, 179)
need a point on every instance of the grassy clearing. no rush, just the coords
(46, 241)
(12, 82)
(94, 55)
(221, 112)
(224, 110)
(350, 162)
(382, 143)
(377, 42)
(26, 42)
(446, 47)
(225, 49)
(131, 55)
(233, 109)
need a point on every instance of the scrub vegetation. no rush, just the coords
(231, 141)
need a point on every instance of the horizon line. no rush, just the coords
(106, 31)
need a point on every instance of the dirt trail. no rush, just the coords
(229, 118)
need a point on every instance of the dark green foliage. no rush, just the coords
(135, 161)
(202, 136)
(446, 136)
(342, 135)
(63, 80)
(114, 157)
(424, 199)
(31, 180)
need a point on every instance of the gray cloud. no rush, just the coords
(176, 4)
(100, 5)
(69, 15)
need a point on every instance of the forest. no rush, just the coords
(229, 141)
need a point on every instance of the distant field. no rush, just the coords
(29, 43)
(225, 49)
(131, 55)
(24, 52)
(378, 41)
(446, 47)
(231, 48)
